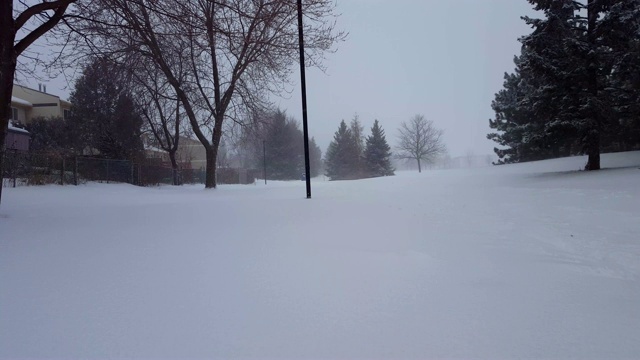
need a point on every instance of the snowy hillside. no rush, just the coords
(521, 261)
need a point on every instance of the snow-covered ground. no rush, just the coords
(525, 261)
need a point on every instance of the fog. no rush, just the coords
(443, 59)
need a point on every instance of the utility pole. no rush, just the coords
(303, 85)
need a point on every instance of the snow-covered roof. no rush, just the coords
(17, 129)
(21, 101)
(153, 148)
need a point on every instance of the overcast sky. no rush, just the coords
(441, 58)
(444, 59)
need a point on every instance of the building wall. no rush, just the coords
(192, 152)
(22, 112)
(44, 105)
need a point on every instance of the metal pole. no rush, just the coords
(303, 84)
(264, 157)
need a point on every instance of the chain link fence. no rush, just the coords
(27, 168)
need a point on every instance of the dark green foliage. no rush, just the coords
(574, 89)
(51, 135)
(377, 153)
(357, 130)
(342, 159)
(284, 148)
(104, 115)
(315, 158)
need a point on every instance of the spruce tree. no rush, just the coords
(342, 155)
(104, 116)
(284, 148)
(377, 153)
(622, 22)
(357, 130)
(315, 158)
(574, 89)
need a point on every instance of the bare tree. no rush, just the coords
(161, 109)
(234, 51)
(420, 140)
(20, 29)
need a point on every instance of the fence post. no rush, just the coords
(14, 170)
(107, 171)
(62, 171)
(75, 170)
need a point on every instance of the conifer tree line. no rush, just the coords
(351, 156)
(275, 142)
(576, 85)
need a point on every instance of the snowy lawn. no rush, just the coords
(524, 261)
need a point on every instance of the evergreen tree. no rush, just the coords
(342, 155)
(315, 158)
(622, 22)
(104, 116)
(521, 138)
(357, 130)
(377, 153)
(572, 91)
(284, 148)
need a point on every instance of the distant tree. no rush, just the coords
(161, 110)
(22, 25)
(234, 52)
(104, 115)
(357, 130)
(283, 142)
(377, 153)
(315, 158)
(284, 148)
(51, 135)
(420, 140)
(342, 155)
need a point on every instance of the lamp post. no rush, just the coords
(303, 85)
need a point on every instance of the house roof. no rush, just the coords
(22, 102)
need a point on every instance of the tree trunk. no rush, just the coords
(8, 62)
(212, 154)
(210, 171)
(593, 151)
(174, 167)
(593, 133)
(419, 166)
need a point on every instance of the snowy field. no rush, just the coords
(534, 260)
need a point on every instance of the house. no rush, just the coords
(27, 104)
(191, 152)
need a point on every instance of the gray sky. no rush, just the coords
(441, 58)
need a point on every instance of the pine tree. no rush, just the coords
(572, 91)
(622, 22)
(284, 148)
(342, 155)
(104, 116)
(377, 153)
(357, 130)
(315, 158)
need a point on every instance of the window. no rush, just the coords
(66, 113)
(14, 114)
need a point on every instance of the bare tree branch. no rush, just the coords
(420, 140)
